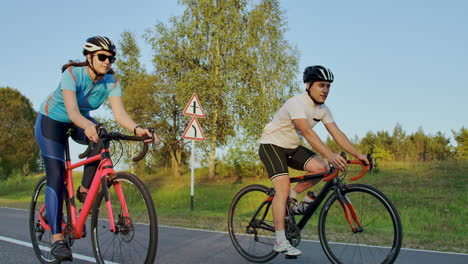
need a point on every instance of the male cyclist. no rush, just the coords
(279, 146)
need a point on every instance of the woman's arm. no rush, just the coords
(122, 117)
(71, 105)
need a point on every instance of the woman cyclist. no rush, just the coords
(83, 87)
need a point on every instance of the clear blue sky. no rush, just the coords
(402, 61)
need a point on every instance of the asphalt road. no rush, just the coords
(180, 245)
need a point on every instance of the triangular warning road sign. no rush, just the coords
(194, 107)
(193, 130)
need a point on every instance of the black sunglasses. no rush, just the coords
(103, 57)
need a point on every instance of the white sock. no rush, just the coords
(280, 236)
(293, 194)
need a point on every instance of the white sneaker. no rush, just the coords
(286, 248)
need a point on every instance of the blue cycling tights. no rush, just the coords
(51, 136)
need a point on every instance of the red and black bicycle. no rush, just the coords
(357, 222)
(124, 227)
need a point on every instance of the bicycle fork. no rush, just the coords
(107, 171)
(349, 212)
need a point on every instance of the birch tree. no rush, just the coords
(232, 53)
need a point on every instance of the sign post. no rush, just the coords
(194, 132)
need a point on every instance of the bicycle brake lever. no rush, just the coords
(153, 142)
(371, 163)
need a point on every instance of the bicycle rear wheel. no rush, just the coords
(40, 236)
(136, 237)
(250, 224)
(381, 237)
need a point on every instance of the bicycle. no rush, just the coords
(366, 230)
(125, 231)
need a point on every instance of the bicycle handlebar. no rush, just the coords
(118, 136)
(364, 166)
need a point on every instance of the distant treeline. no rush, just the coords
(241, 158)
(417, 146)
(19, 152)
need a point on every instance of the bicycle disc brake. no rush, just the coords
(126, 228)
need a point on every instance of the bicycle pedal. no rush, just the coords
(290, 257)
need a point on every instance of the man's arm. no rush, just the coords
(344, 142)
(316, 143)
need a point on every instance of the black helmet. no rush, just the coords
(317, 73)
(97, 43)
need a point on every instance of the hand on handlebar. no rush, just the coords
(144, 131)
(364, 159)
(337, 161)
(366, 162)
(91, 133)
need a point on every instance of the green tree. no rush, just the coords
(420, 141)
(18, 148)
(397, 142)
(211, 49)
(146, 100)
(268, 66)
(378, 144)
(439, 148)
(461, 150)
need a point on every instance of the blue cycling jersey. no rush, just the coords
(90, 95)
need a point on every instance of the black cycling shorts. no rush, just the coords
(277, 159)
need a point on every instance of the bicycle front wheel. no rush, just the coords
(379, 240)
(136, 235)
(250, 224)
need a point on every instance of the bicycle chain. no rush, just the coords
(69, 235)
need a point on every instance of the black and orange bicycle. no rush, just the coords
(124, 227)
(357, 222)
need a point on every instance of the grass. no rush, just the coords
(430, 197)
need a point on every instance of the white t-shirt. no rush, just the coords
(281, 131)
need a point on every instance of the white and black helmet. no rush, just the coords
(317, 73)
(97, 43)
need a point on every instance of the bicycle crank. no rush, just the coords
(293, 233)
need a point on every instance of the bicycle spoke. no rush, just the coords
(375, 243)
(132, 241)
(249, 218)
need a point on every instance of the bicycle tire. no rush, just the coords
(253, 243)
(381, 238)
(136, 237)
(40, 238)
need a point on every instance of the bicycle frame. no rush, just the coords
(310, 210)
(104, 169)
(317, 201)
(333, 183)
